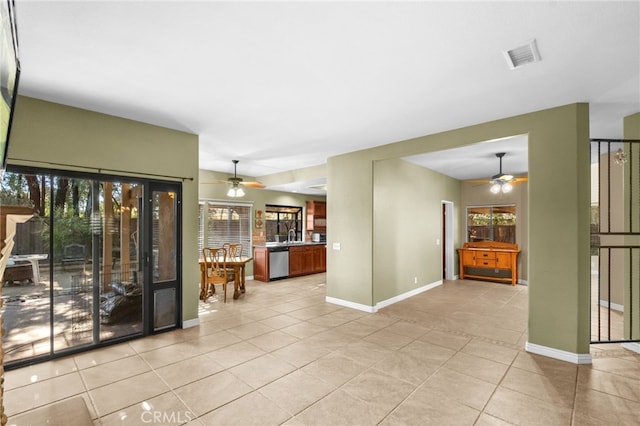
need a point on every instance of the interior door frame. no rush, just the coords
(447, 240)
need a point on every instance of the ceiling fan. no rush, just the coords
(501, 182)
(236, 183)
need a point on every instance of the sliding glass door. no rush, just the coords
(97, 262)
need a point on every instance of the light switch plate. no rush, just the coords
(336, 246)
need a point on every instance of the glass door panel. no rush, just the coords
(164, 255)
(121, 283)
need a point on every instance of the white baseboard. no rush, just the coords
(523, 282)
(635, 347)
(384, 303)
(191, 323)
(407, 295)
(558, 354)
(348, 304)
(614, 306)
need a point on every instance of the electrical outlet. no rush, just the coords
(415, 280)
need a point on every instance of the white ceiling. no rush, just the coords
(285, 85)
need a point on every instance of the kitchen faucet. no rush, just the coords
(291, 237)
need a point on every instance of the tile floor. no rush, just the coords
(281, 355)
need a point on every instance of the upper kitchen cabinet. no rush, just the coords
(317, 216)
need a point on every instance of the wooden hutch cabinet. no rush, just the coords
(489, 260)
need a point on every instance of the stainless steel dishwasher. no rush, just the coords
(278, 262)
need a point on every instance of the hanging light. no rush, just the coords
(235, 191)
(499, 186)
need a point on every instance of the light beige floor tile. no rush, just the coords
(113, 371)
(378, 389)
(165, 409)
(211, 392)
(546, 366)
(42, 393)
(490, 351)
(104, 355)
(189, 370)
(300, 353)
(115, 396)
(166, 355)
(389, 339)
(447, 339)
(328, 320)
(262, 313)
(309, 390)
(250, 409)
(260, 371)
(520, 409)
(235, 354)
(339, 408)
(272, 341)
(603, 408)
(612, 384)
(478, 367)
(303, 329)
(365, 352)
(432, 409)
(408, 329)
(68, 412)
(432, 355)
(459, 387)
(406, 367)
(218, 340)
(330, 339)
(335, 369)
(488, 420)
(154, 342)
(623, 367)
(247, 331)
(279, 321)
(554, 389)
(38, 372)
(356, 329)
(377, 320)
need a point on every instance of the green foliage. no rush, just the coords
(68, 229)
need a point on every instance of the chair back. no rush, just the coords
(215, 259)
(234, 250)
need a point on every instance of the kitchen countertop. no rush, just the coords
(290, 244)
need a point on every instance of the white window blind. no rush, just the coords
(224, 223)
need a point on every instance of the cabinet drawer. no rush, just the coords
(485, 263)
(481, 255)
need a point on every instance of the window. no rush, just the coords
(491, 223)
(224, 223)
(280, 220)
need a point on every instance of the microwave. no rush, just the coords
(317, 237)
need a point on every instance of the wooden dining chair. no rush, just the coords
(233, 249)
(216, 270)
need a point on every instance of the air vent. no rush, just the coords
(522, 55)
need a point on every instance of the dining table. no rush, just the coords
(238, 264)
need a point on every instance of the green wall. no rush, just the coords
(407, 222)
(50, 135)
(558, 219)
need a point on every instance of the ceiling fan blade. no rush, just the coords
(215, 182)
(478, 181)
(258, 185)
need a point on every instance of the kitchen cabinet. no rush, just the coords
(304, 259)
(307, 259)
(317, 216)
(490, 260)
(261, 264)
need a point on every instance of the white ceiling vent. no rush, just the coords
(522, 55)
